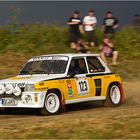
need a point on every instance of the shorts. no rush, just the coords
(108, 35)
(90, 36)
(74, 37)
(109, 54)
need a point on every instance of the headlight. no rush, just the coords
(29, 87)
(17, 91)
(2, 89)
(9, 89)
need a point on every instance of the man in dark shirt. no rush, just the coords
(74, 23)
(110, 23)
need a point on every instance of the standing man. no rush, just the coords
(74, 23)
(90, 22)
(110, 23)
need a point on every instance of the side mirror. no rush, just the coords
(71, 75)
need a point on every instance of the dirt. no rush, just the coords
(86, 120)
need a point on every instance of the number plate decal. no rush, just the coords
(83, 87)
(9, 102)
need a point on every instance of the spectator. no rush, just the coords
(107, 50)
(74, 23)
(90, 22)
(136, 20)
(82, 47)
(110, 23)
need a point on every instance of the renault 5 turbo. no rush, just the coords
(50, 82)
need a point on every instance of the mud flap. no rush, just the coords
(122, 92)
(63, 104)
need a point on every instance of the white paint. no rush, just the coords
(85, 99)
(52, 103)
(22, 104)
(83, 86)
(115, 94)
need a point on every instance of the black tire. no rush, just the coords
(102, 102)
(116, 99)
(56, 101)
(5, 110)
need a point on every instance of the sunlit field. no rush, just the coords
(88, 120)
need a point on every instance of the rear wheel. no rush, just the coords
(114, 95)
(52, 104)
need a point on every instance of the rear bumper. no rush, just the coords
(34, 100)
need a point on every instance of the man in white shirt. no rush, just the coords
(90, 22)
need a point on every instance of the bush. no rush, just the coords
(38, 39)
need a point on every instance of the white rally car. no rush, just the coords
(49, 82)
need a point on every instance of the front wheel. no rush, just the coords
(52, 104)
(114, 95)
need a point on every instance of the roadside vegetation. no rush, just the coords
(82, 121)
(19, 43)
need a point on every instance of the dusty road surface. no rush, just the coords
(87, 120)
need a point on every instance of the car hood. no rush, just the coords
(29, 79)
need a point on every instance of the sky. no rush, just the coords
(59, 11)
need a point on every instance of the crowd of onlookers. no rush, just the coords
(87, 26)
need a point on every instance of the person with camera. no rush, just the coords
(107, 50)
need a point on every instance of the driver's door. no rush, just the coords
(78, 83)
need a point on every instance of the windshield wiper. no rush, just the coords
(24, 72)
(38, 72)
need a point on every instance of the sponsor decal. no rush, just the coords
(83, 87)
(70, 91)
(41, 89)
(21, 85)
(61, 81)
(50, 58)
(41, 83)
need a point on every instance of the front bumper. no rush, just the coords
(35, 100)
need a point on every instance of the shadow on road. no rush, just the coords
(35, 112)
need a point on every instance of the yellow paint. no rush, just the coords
(19, 78)
(62, 86)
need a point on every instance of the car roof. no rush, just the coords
(69, 55)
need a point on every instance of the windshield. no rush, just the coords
(51, 66)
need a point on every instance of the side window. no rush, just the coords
(77, 66)
(94, 65)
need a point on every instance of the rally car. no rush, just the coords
(50, 82)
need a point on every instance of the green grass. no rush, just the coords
(18, 45)
(91, 124)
